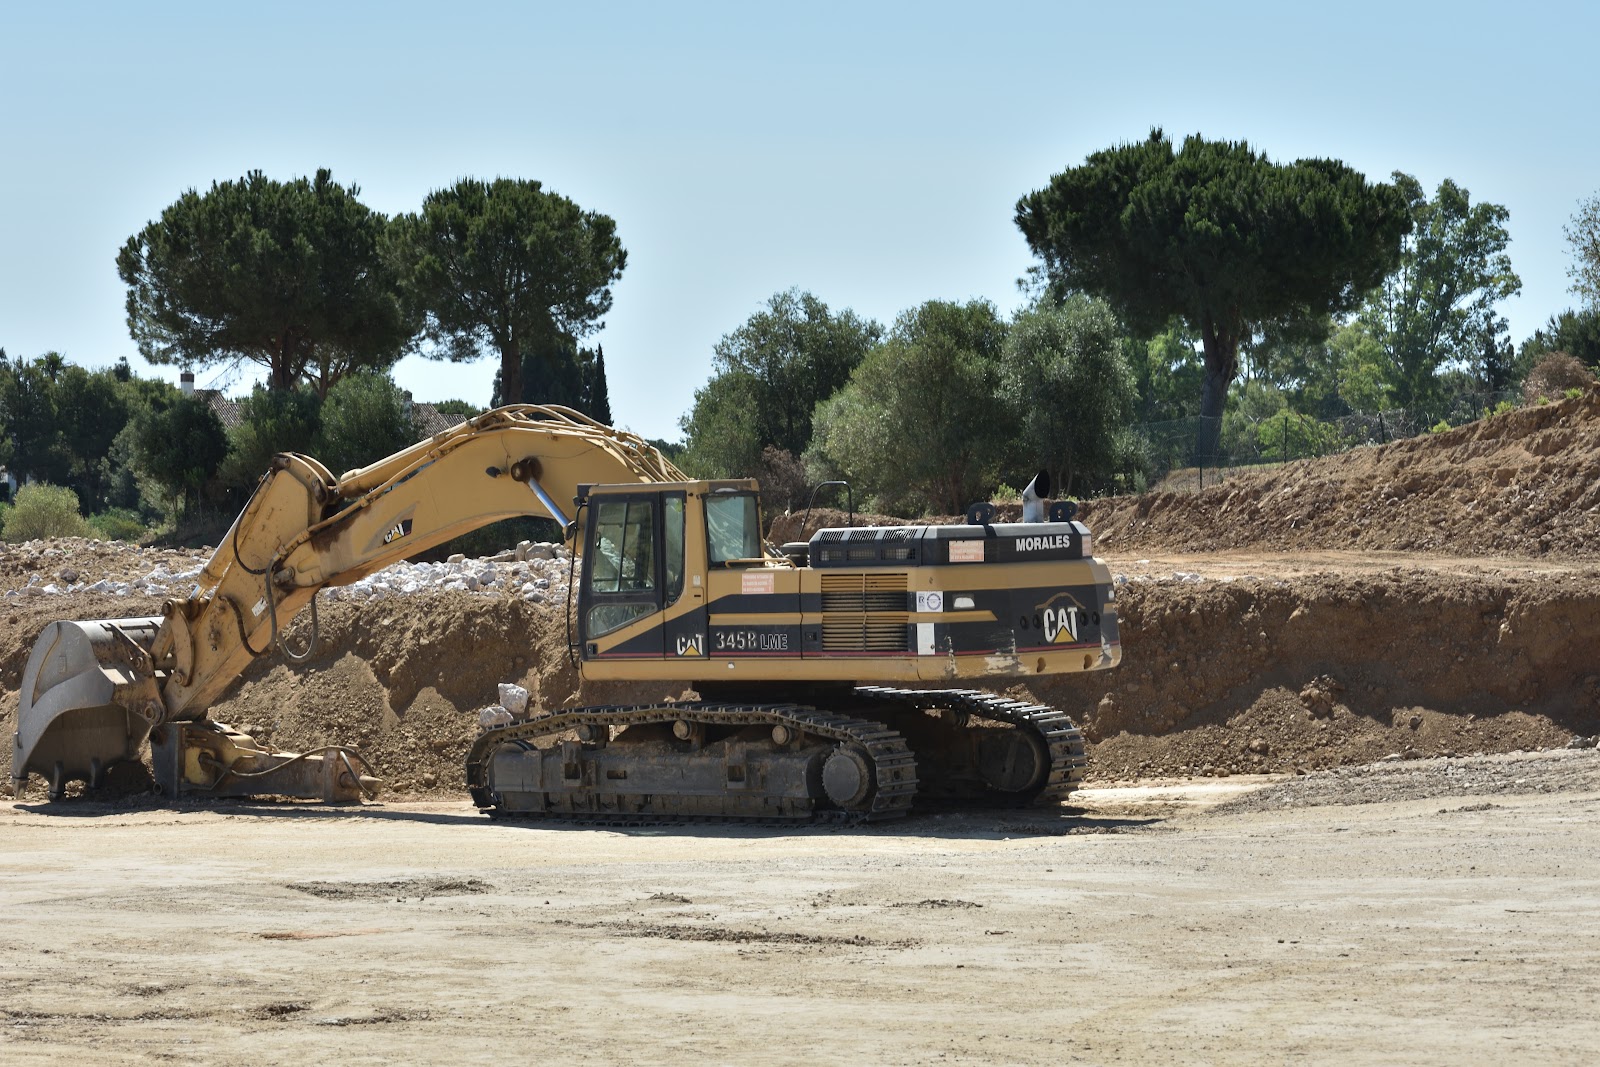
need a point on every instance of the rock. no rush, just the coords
(68, 575)
(514, 698)
(1584, 742)
(1258, 746)
(1416, 721)
(492, 716)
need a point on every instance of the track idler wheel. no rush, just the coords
(1013, 761)
(847, 777)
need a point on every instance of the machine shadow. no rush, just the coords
(982, 824)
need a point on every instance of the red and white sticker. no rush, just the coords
(758, 582)
(966, 551)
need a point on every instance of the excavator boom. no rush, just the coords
(92, 692)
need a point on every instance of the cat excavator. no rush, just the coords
(842, 678)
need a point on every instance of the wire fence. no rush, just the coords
(1177, 459)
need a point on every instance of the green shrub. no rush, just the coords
(118, 524)
(43, 510)
(1573, 394)
(1439, 427)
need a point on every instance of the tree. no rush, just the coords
(364, 418)
(768, 377)
(288, 275)
(1437, 308)
(1169, 373)
(180, 443)
(721, 438)
(457, 407)
(91, 410)
(1583, 234)
(564, 374)
(1217, 235)
(919, 425)
(1067, 379)
(508, 265)
(271, 421)
(28, 400)
(1577, 333)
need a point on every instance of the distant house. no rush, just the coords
(430, 420)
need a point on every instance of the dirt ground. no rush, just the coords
(1451, 917)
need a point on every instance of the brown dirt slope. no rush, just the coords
(1330, 669)
(1525, 483)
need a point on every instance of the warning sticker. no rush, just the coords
(966, 551)
(758, 582)
(930, 601)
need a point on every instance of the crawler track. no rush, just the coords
(893, 768)
(585, 792)
(1062, 740)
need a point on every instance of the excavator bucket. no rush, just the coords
(91, 700)
(88, 701)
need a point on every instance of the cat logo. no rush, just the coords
(692, 645)
(1062, 617)
(397, 531)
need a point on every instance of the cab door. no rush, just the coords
(623, 580)
(633, 604)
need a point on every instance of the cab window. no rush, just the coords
(625, 547)
(733, 529)
(672, 528)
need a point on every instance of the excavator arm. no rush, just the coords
(93, 692)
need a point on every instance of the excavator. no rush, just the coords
(836, 679)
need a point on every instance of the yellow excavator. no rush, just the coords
(832, 674)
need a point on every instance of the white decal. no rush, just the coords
(930, 602)
(1061, 625)
(1041, 544)
(692, 645)
(753, 582)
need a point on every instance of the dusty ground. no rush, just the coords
(1452, 919)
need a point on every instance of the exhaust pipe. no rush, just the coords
(1036, 498)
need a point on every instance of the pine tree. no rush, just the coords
(597, 399)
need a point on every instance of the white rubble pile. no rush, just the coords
(534, 572)
(159, 582)
(537, 573)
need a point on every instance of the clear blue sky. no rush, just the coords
(871, 153)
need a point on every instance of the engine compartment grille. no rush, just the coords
(865, 613)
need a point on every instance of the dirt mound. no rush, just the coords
(1525, 483)
(403, 680)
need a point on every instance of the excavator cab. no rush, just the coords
(646, 556)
